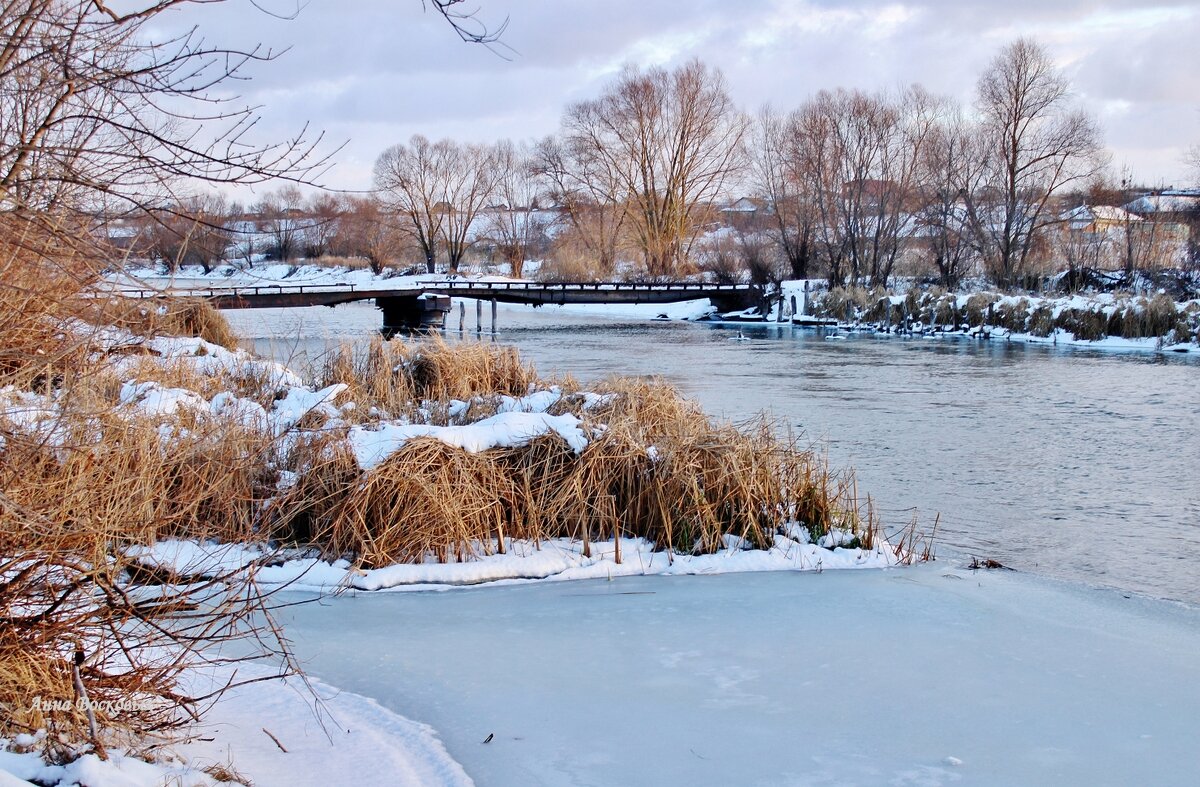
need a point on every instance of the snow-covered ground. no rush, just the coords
(330, 736)
(557, 560)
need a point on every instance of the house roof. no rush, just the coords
(1165, 203)
(1084, 215)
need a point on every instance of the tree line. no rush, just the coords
(635, 181)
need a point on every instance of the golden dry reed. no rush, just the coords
(655, 467)
(83, 627)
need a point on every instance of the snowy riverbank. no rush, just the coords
(273, 733)
(554, 560)
(183, 397)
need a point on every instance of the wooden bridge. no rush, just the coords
(424, 304)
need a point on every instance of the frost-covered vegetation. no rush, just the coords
(1082, 317)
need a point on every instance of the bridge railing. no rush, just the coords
(465, 287)
(215, 292)
(581, 286)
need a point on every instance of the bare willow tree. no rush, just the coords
(948, 167)
(673, 140)
(437, 190)
(857, 155)
(366, 229)
(516, 225)
(191, 232)
(408, 182)
(279, 213)
(586, 184)
(1036, 143)
(468, 180)
(324, 213)
(789, 207)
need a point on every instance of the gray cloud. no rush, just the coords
(377, 71)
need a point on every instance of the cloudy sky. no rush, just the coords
(374, 72)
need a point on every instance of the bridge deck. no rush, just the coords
(533, 293)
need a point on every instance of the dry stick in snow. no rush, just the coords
(82, 694)
(610, 506)
(272, 737)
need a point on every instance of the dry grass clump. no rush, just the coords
(655, 467)
(193, 317)
(1012, 316)
(977, 308)
(397, 378)
(1088, 324)
(428, 499)
(325, 476)
(83, 623)
(441, 371)
(196, 317)
(375, 377)
(847, 303)
(683, 482)
(132, 480)
(82, 626)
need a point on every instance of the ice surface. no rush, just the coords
(925, 676)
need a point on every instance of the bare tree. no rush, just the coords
(281, 219)
(96, 101)
(324, 210)
(672, 140)
(856, 154)
(408, 182)
(468, 180)
(365, 229)
(1036, 144)
(948, 168)
(585, 183)
(191, 232)
(789, 207)
(516, 225)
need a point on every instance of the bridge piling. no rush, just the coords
(413, 313)
(493, 315)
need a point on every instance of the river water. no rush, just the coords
(1071, 463)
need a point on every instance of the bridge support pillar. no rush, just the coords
(742, 299)
(413, 312)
